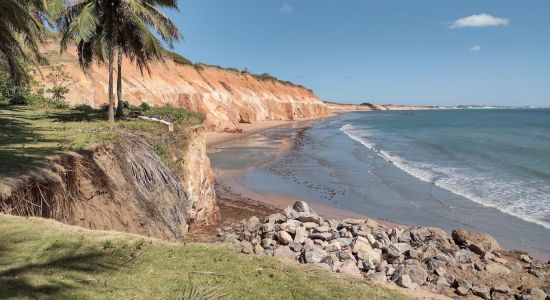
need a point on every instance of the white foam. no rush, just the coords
(525, 200)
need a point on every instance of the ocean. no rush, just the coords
(485, 170)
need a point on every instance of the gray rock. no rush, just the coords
(417, 274)
(322, 228)
(406, 282)
(368, 265)
(345, 255)
(284, 252)
(268, 227)
(276, 218)
(344, 241)
(364, 250)
(314, 256)
(477, 242)
(259, 250)
(395, 250)
(330, 259)
(379, 277)
(442, 281)
(290, 213)
(246, 247)
(320, 235)
(349, 268)
(462, 291)
(301, 206)
(526, 258)
(382, 266)
(350, 221)
(308, 217)
(481, 291)
(284, 237)
(301, 235)
(290, 226)
(295, 246)
(496, 268)
(266, 243)
(372, 223)
(440, 271)
(252, 223)
(532, 294)
(501, 288)
(405, 237)
(397, 273)
(462, 283)
(333, 246)
(230, 237)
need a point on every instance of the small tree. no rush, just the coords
(60, 81)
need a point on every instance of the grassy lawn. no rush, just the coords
(28, 135)
(45, 259)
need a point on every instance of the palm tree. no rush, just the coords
(20, 33)
(103, 27)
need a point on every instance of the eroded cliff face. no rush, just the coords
(227, 97)
(124, 186)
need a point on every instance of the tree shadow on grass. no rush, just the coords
(16, 282)
(21, 147)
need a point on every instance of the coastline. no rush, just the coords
(236, 179)
(215, 138)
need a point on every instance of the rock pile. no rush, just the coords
(466, 264)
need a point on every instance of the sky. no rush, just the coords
(423, 52)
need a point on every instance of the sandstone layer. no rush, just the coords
(226, 96)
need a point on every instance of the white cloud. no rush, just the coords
(481, 20)
(286, 8)
(476, 48)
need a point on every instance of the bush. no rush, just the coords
(175, 115)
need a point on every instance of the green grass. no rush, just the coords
(31, 134)
(45, 259)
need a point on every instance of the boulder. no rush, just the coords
(284, 252)
(481, 291)
(259, 250)
(462, 291)
(314, 256)
(276, 218)
(246, 247)
(416, 273)
(364, 250)
(532, 294)
(290, 213)
(266, 243)
(406, 282)
(308, 217)
(379, 277)
(301, 235)
(496, 268)
(252, 224)
(344, 241)
(395, 250)
(301, 206)
(320, 236)
(350, 268)
(284, 237)
(475, 241)
(268, 227)
(345, 255)
(290, 226)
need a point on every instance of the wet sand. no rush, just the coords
(236, 200)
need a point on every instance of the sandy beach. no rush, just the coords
(268, 164)
(238, 202)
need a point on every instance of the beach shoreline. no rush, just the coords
(237, 178)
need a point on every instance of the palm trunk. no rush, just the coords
(111, 117)
(120, 105)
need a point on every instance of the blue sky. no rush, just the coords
(403, 52)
